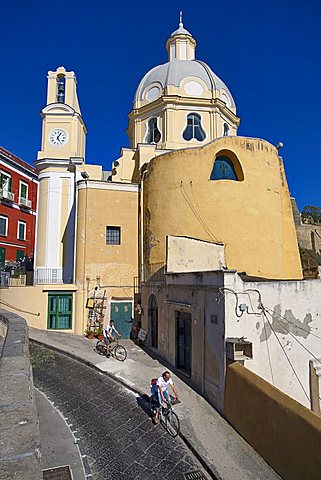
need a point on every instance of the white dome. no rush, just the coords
(173, 72)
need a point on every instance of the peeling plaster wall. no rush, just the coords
(188, 255)
(293, 312)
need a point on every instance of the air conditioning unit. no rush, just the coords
(5, 195)
(24, 202)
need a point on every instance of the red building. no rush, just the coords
(18, 208)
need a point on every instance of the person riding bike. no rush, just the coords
(160, 392)
(108, 335)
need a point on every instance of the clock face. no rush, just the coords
(58, 137)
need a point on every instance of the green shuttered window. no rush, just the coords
(59, 311)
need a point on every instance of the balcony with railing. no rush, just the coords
(50, 276)
(24, 202)
(6, 195)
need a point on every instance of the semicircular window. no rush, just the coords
(194, 128)
(223, 169)
(153, 134)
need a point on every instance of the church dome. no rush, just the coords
(181, 69)
(173, 73)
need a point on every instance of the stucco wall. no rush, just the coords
(188, 255)
(293, 312)
(252, 218)
(286, 434)
(114, 267)
(32, 303)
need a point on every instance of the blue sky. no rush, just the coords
(268, 53)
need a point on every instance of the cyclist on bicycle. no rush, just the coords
(161, 393)
(108, 335)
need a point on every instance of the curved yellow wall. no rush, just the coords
(252, 218)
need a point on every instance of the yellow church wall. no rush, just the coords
(252, 218)
(113, 267)
(94, 171)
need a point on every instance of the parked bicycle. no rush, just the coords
(167, 416)
(117, 350)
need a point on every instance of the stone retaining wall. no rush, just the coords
(19, 427)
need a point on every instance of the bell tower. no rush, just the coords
(59, 163)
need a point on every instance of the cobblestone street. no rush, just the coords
(114, 431)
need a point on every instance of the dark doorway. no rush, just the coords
(183, 322)
(153, 320)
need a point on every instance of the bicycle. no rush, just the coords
(117, 351)
(167, 416)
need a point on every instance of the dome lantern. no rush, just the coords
(181, 44)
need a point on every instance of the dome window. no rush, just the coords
(226, 130)
(223, 169)
(194, 128)
(153, 134)
(152, 93)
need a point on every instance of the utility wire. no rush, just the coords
(201, 221)
(268, 351)
(286, 355)
(293, 336)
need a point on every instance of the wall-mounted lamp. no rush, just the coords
(279, 146)
(84, 175)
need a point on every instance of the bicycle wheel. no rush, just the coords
(172, 423)
(152, 406)
(120, 353)
(100, 347)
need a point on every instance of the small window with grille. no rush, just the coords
(112, 235)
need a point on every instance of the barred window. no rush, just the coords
(113, 235)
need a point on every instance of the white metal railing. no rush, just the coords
(6, 195)
(24, 202)
(51, 276)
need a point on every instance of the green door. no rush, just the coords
(121, 313)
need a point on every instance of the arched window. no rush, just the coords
(153, 134)
(61, 89)
(226, 130)
(223, 169)
(194, 128)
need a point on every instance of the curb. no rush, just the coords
(212, 472)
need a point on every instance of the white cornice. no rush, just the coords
(58, 162)
(99, 185)
(65, 110)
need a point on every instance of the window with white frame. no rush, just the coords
(153, 134)
(194, 128)
(5, 181)
(22, 227)
(3, 225)
(23, 190)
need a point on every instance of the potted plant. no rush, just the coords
(89, 333)
(100, 334)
